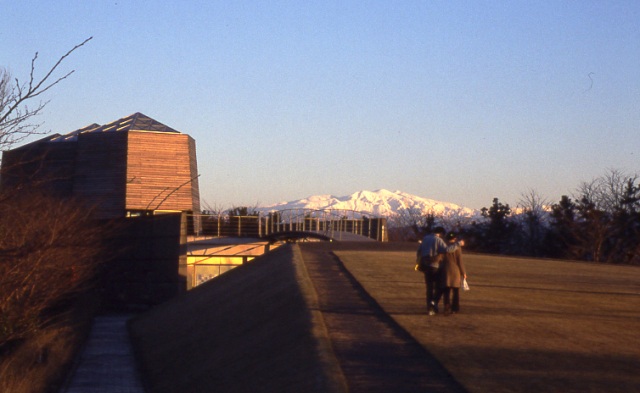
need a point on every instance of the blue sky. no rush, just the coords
(455, 101)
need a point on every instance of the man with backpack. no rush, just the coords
(429, 254)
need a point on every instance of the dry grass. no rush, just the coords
(31, 367)
(42, 362)
(526, 325)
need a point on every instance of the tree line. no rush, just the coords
(600, 223)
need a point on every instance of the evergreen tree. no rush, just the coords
(498, 231)
(560, 240)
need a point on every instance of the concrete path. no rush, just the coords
(106, 364)
(374, 353)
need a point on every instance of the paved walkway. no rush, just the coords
(106, 364)
(374, 353)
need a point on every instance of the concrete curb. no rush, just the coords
(331, 375)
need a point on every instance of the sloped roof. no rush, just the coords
(72, 135)
(135, 122)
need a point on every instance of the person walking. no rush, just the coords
(451, 275)
(429, 255)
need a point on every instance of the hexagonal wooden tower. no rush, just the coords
(132, 166)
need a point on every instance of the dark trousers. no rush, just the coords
(451, 304)
(432, 283)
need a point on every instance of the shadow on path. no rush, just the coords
(375, 354)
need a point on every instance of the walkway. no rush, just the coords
(106, 364)
(374, 353)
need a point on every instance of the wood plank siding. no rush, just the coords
(161, 168)
(195, 184)
(101, 168)
(49, 167)
(132, 165)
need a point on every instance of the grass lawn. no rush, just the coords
(526, 325)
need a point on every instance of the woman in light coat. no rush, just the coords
(451, 275)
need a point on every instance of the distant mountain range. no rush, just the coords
(377, 203)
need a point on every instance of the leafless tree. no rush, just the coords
(244, 211)
(48, 250)
(47, 245)
(611, 189)
(594, 227)
(601, 233)
(532, 201)
(455, 222)
(16, 117)
(411, 223)
(533, 212)
(212, 210)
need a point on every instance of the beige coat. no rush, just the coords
(452, 269)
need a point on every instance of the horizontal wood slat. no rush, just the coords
(159, 171)
(115, 171)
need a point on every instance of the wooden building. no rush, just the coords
(132, 166)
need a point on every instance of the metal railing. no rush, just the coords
(328, 222)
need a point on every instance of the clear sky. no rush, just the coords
(451, 100)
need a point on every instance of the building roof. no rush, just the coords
(72, 135)
(135, 122)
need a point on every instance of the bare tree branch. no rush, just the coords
(171, 193)
(14, 112)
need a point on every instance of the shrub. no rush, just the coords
(49, 250)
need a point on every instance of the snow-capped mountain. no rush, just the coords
(378, 203)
